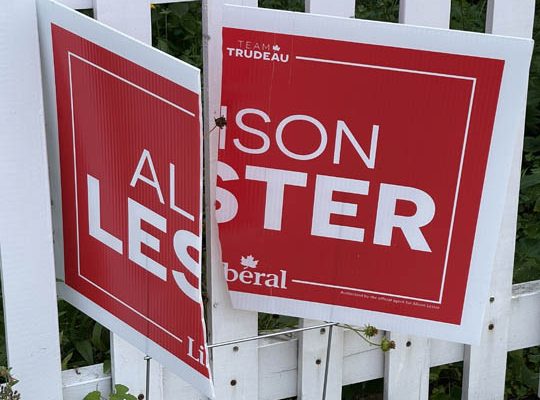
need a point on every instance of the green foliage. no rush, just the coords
(95, 395)
(527, 259)
(120, 392)
(522, 373)
(445, 382)
(369, 390)
(8, 381)
(290, 5)
(468, 15)
(177, 30)
(273, 322)
(83, 341)
(368, 333)
(378, 10)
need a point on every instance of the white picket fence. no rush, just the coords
(269, 369)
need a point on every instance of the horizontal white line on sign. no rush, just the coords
(412, 71)
(361, 290)
(131, 84)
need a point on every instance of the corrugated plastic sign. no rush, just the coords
(363, 168)
(127, 127)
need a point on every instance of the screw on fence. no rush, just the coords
(147, 358)
(327, 365)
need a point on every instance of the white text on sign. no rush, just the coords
(138, 213)
(277, 180)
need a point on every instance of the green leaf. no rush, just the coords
(95, 395)
(121, 393)
(455, 393)
(84, 348)
(537, 205)
(96, 337)
(534, 358)
(179, 9)
(65, 361)
(192, 26)
(122, 397)
(121, 389)
(531, 144)
(528, 181)
(163, 45)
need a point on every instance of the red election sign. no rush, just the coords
(356, 168)
(130, 151)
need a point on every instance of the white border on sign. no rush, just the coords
(159, 63)
(73, 130)
(462, 158)
(516, 53)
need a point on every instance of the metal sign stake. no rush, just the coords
(327, 366)
(147, 358)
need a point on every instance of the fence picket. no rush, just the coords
(312, 345)
(510, 17)
(312, 350)
(514, 18)
(434, 13)
(129, 369)
(406, 370)
(484, 365)
(338, 8)
(78, 382)
(26, 244)
(235, 368)
(131, 17)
